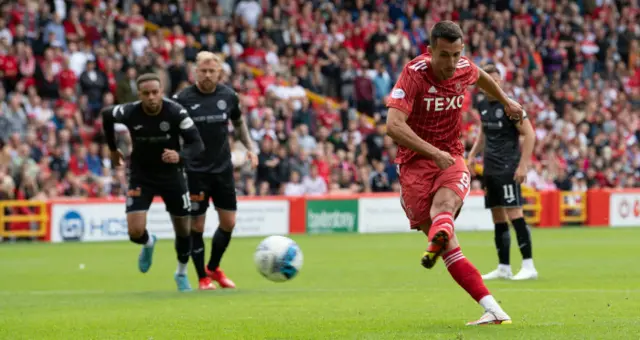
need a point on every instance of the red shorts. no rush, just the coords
(421, 178)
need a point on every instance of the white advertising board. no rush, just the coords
(385, 215)
(624, 210)
(107, 221)
(381, 215)
(474, 216)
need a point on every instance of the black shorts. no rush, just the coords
(219, 188)
(501, 191)
(174, 193)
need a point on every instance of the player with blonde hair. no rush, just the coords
(210, 175)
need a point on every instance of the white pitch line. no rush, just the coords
(568, 290)
(325, 290)
(53, 292)
(349, 290)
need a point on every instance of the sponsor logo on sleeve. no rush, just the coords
(397, 94)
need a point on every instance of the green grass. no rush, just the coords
(351, 287)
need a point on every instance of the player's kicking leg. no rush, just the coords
(523, 234)
(443, 242)
(502, 239)
(451, 187)
(430, 200)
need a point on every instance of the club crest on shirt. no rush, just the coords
(458, 87)
(499, 113)
(164, 126)
(222, 104)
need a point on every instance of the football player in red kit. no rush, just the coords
(425, 120)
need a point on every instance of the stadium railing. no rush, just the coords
(24, 219)
(573, 207)
(532, 209)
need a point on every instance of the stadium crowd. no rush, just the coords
(574, 65)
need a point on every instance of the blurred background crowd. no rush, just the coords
(573, 64)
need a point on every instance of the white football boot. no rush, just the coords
(492, 318)
(493, 313)
(527, 272)
(502, 272)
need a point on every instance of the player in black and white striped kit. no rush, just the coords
(505, 168)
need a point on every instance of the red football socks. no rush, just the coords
(463, 271)
(465, 274)
(442, 221)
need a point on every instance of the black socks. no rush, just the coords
(197, 253)
(142, 239)
(219, 244)
(502, 238)
(524, 237)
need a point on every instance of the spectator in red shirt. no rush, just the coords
(78, 164)
(254, 54)
(67, 78)
(267, 79)
(73, 27)
(10, 71)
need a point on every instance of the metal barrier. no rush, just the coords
(7, 219)
(573, 207)
(533, 208)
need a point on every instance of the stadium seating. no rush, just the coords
(313, 77)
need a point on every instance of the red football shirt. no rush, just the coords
(10, 67)
(67, 79)
(77, 166)
(434, 107)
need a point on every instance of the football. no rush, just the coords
(278, 258)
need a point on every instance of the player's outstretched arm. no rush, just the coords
(402, 134)
(511, 107)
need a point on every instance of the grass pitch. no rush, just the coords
(351, 287)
